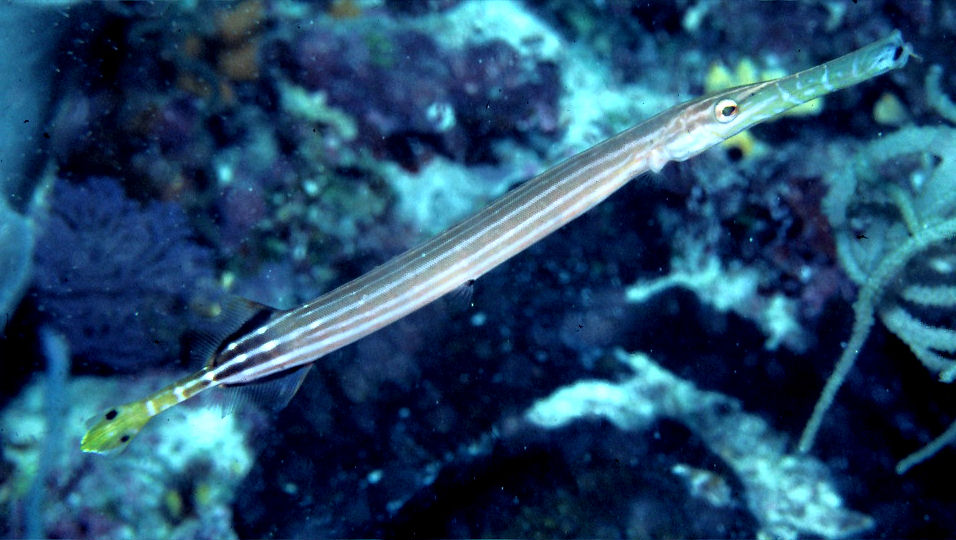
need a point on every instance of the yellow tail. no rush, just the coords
(116, 428)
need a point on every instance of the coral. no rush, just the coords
(444, 192)
(115, 276)
(55, 407)
(238, 30)
(788, 494)
(890, 111)
(313, 107)
(409, 96)
(476, 21)
(236, 23)
(727, 289)
(894, 217)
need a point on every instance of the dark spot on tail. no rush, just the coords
(897, 53)
(124, 438)
(111, 415)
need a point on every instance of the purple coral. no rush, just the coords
(115, 276)
(411, 97)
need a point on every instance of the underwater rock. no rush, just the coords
(789, 494)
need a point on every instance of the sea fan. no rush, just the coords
(116, 276)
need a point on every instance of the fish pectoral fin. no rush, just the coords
(271, 394)
(459, 299)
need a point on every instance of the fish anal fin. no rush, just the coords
(271, 394)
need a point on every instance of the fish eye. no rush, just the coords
(726, 110)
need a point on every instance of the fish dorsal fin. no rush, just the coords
(271, 394)
(238, 316)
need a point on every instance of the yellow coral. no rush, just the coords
(890, 111)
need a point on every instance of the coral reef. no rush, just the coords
(410, 98)
(790, 495)
(726, 289)
(273, 149)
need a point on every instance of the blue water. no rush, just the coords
(646, 371)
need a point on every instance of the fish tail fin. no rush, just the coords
(116, 427)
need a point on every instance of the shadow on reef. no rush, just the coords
(581, 481)
(586, 480)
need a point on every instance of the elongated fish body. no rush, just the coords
(273, 343)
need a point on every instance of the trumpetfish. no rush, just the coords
(273, 343)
